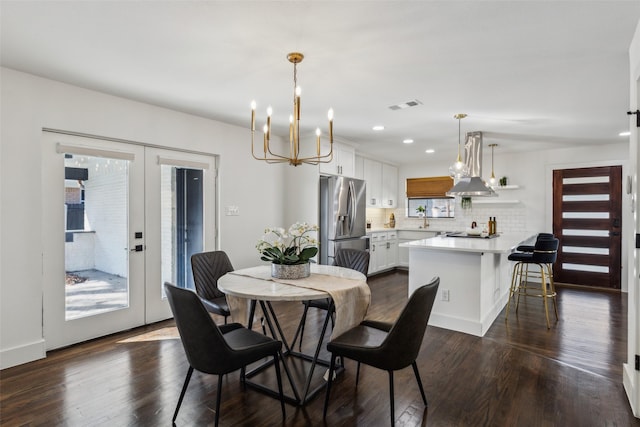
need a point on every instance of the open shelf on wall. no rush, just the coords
(494, 201)
(505, 187)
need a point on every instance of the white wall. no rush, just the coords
(28, 105)
(531, 172)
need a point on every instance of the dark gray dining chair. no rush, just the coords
(387, 346)
(207, 268)
(349, 258)
(214, 349)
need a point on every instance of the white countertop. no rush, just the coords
(382, 230)
(504, 243)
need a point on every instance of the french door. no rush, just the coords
(115, 225)
(180, 221)
(587, 220)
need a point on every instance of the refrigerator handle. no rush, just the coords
(354, 206)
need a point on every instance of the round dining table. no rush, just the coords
(255, 285)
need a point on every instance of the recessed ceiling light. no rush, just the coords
(378, 127)
(429, 151)
(408, 141)
(627, 133)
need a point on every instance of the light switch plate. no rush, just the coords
(233, 211)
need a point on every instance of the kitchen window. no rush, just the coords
(434, 208)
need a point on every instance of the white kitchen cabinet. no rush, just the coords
(372, 171)
(392, 249)
(382, 184)
(383, 250)
(343, 163)
(389, 186)
(359, 171)
(373, 252)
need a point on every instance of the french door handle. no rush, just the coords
(614, 233)
(137, 248)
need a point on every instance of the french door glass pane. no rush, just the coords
(167, 224)
(182, 219)
(96, 237)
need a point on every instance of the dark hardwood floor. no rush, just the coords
(519, 374)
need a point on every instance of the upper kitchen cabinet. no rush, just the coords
(382, 184)
(359, 167)
(373, 177)
(343, 163)
(389, 186)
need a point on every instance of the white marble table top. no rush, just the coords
(239, 285)
(504, 243)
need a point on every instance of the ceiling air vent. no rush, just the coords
(412, 103)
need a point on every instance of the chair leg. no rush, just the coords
(276, 362)
(218, 398)
(329, 382)
(552, 288)
(184, 389)
(544, 295)
(415, 371)
(393, 418)
(357, 374)
(512, 289)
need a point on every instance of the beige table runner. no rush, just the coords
(351, 297)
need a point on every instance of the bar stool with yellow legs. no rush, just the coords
(544, 255)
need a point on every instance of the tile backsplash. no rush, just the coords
(509, 217)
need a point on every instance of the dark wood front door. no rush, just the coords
(587, 219)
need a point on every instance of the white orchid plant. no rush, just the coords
(289, 247)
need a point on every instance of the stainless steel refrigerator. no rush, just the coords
(342, 216)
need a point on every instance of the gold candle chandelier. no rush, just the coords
(294, 130)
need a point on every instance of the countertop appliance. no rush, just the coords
(342, 216)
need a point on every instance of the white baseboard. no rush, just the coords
(468, 326)
(627, 380)
(22, 354)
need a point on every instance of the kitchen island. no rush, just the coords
(474, 277)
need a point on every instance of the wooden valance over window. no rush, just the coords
(433, 187)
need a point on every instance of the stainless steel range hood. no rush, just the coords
(473, 185)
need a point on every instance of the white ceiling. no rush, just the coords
(529, 74)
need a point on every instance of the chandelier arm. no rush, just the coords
(278, 158)
(318, 159)
(252, 148)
